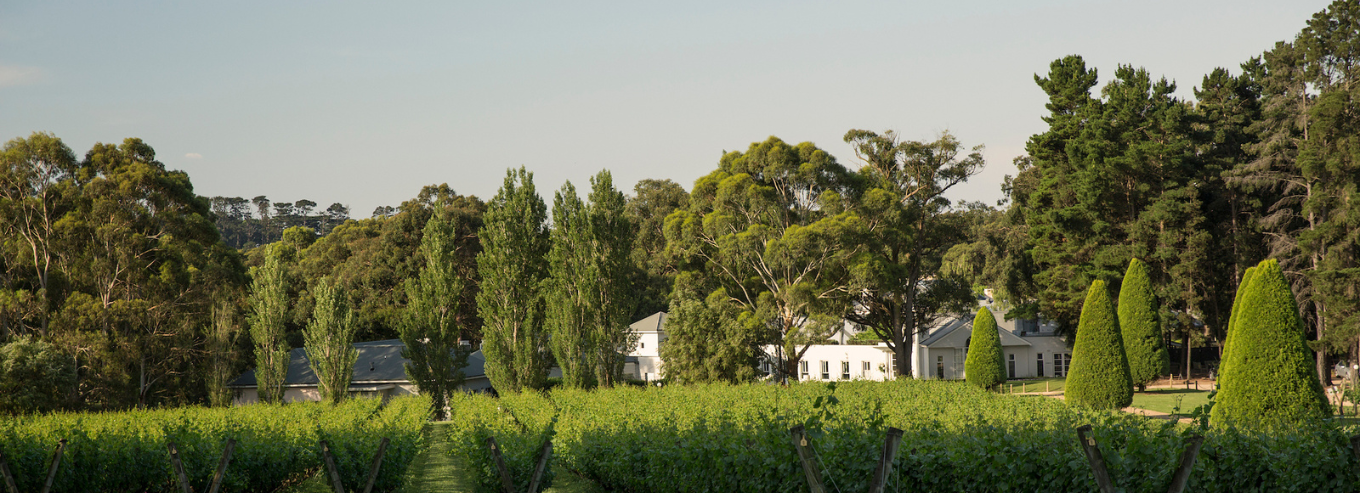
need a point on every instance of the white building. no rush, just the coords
(831, 362)
(1030, 349)
(644, 363)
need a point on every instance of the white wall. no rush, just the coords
(878, 359)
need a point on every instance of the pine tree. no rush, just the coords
(1271, 379)
(985, 365)
(513, 266)
(269, 310)
(1141, 329)
(329, 339)
(430, 329)
(1099, 377)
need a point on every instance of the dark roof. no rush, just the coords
(379, 361)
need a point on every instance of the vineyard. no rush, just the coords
(956, 438)
(275, 445)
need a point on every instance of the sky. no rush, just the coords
(363, 103)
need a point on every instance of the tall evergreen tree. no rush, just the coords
(985, 365)
(430, 329)
(269, 310)
(1271, 380)
(1141, 327)
(1099, 377)
(1230, 344)
(513, 265)
(329, 340)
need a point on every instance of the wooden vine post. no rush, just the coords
(506, 482)
(377, 464)
(800, 443)
(222, 465)
(336, 484)
(179, 468)
(885, 461)
(543, 453)
(1088, 445)
(9, 478)
(1182, 477)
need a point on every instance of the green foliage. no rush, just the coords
(908, 226)
(1230, 345)
(275, 444)
(590, 297)
(520, 423)
(709, 340)
(35, 377)
(513, 265)
(647, 209)
(1099, 376)
(1141, 329)
(431, 329)
(269, 307)
(985, 366)
(330, 341)
(956, 438)
(1270, 379)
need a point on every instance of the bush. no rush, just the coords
(1099, 377)
(985, 365)
(1140, 327)
(1270, 373)
(35, 377)
(1224, 365)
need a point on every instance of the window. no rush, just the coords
(1041, 365)
(1010, 366)
(845, 370)
(939, 367)
(826, 370)
(642, 345)
(803, 370)
(1060, 364)
(892, 360)
(864, 372)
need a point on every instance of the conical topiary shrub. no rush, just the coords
(1224, 368)
(1099, 377)
(985, 366)
(1140, 327)
(1270, 378)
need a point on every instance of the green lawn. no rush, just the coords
(435, 470)
(1050, 384)
(1166, 400)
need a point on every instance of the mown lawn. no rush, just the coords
(1050, 384)
(1167, 400)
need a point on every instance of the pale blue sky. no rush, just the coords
(364, 102)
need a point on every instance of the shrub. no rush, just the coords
(520, 423)
(985, 366)
(1140, 327)
(1224, 367)
(1099, 377)
(34, 377)
(1271, 379)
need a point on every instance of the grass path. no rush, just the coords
(435, 470)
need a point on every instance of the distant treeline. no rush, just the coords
(248, 223)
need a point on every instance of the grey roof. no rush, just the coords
(1007, 338)
(378, 362)
(655, 322)
(945, 330)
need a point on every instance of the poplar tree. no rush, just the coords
(985, 365)
(269, 310)
(1099, 377)
(329, 339)
(1271, 379)
(430, 328)
(1140, 327)
(513, 265)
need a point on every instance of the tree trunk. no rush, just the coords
(1321, 354)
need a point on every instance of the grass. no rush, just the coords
(434, 469)
(1050, 384)
(1167, 400)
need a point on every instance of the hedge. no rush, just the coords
(1140, 327)
(1099, 377)
(985, 365)
(1270, 381)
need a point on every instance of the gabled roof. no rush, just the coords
(378, 362)
(949, 336)
(656, 322)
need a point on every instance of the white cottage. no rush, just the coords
(1030, 350)
(644, 363)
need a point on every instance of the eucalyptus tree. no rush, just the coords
(37, 176)
(898, 287)
(647, 209)
(770, 235)
(513, 265)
